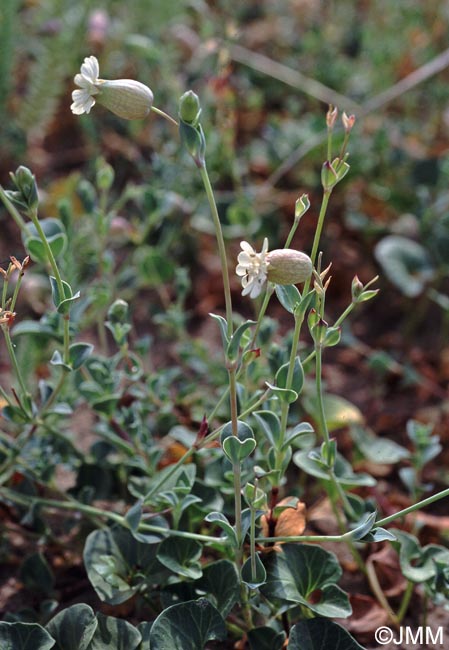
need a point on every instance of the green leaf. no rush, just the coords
(285, 395)
(79, 353)
(189, 626)
(288, 295)
(234, 344)
(24, 636)
(237, 450)
(306, 575)
(265, 638)
(321, 634)
(258, 577)
(220, 520)
(114, 634)
(339, 411)
(223, 324)
(270, 425)
(73, 628)
(297, 378)
(55, 235)
(57, 360)
(418, 564)
(343, 471)
(36, 574)
(406, 263)
(378, 450)
(118, 565)
(221, 581)
(301, 430)
(181, 556)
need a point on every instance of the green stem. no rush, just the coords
(236, 466)
(405, 601)
(15, 214)
(412, 508)
(221, 246)
(319, 227)
(377, 590)
(165, 115)
(13, 358)
(57, 275)
(91, 511)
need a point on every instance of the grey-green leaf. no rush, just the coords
(221, 581)
(24, 636)
(73, 628)
(189, 626)
(321, 634)
(306, 574)
(114, 634)
(181, 556)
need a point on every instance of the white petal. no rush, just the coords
(90, 69)
(247, 247)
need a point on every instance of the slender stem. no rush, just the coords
(15, 214)
(408, 593)
(57, 275)
(252, 542)
(412, 508)
(165, 115)
(236, 466)
(377, 590)
(319, 227)
(221, 246)
(90, 511)
(13, 358)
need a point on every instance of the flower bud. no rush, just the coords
(127, 98)
(331, 116)
(348, 122)
(25, 182)
(189, 108)
(118, 311)
(328, 176)
(301, 206)
(287, 266)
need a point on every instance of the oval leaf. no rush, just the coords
(114, 633)
(24, 636)
(321, 634)
(189, 626)
(73, 628)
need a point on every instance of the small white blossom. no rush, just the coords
(252, 267)
(126, 98)
(83, 99)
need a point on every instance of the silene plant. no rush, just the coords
(211, 549)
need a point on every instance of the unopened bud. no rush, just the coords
(356, 289)
(328, 176)
(331, 116)
(25, 182)
(287, 266)
(118, 311)
(301, 206)
(127, 98)
(189, 107)
(348, 122)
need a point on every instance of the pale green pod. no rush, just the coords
(287, 266)
(127, 98)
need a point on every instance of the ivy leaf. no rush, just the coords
(321, 634)
(265, 638)
(114, 633)
(189, 626)
(24, 636)
(221, 581)
(118, 565)
(181, 556)
(73, 628)
(306, 575)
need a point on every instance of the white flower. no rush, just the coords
(83, 99)
(252, 267)
(126, 98)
